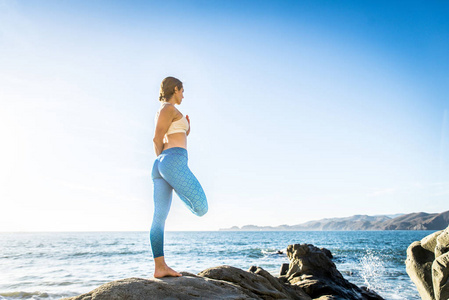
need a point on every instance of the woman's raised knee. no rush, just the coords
(201, 211)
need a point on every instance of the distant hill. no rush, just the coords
(413, 221)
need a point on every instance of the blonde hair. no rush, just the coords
(168, 88)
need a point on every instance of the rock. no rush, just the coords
(222, 282)
(419, 269)
(327, 252)
(188, 286)
(311, 269)
(284, 269)
(310, 275)
(255, 285)
(310, 260)
(327, 297)
(427, 265)
(430, 241)
(442, 243)
(440, 276)
(278, 283)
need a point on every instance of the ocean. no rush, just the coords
(53, 265)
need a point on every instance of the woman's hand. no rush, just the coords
(164, 120)
(188, 120)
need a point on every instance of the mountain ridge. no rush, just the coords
(412, 221)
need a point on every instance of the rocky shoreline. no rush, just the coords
(311, 274)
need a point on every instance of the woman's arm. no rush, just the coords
(163, 123)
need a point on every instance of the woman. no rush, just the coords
(170, 170)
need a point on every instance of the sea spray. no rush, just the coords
(373, 270)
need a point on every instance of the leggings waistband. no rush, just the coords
(175, 150)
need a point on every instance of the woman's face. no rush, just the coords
(178, 95)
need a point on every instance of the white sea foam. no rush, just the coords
(372, 270)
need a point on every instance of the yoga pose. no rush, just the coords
(170, 170)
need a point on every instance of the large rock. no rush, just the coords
(186, 287)
(311, 275)
(427, 265)
(311, 269)
(222, 282)
(419, 268)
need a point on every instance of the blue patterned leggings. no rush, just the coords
(170, 172)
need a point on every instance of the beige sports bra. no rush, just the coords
(181, 125)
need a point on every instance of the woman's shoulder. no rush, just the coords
(168, 110)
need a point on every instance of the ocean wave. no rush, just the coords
(104, 254)
(23, 295)
(274, 252)
(62, 283)
(36, 295)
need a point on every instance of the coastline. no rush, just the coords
(412, 221)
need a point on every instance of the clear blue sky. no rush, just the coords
(299, 110)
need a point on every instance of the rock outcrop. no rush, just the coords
(224, 282)
(310, 275)
(312, 270)
(427, 265)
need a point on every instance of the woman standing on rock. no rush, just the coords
(170, 171)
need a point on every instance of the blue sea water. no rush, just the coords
(63, 264)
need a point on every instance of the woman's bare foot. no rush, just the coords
(167, 271)
(162, 270)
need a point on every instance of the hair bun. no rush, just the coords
(168, 88)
